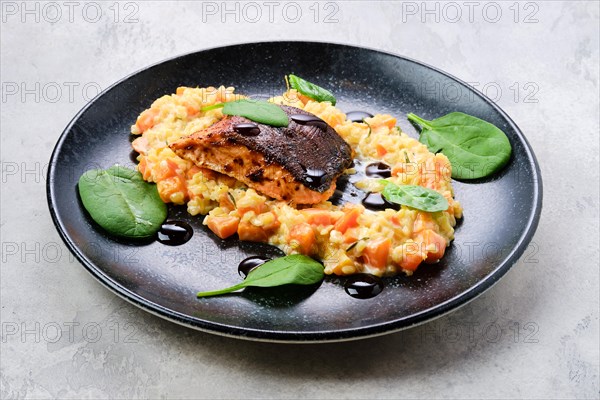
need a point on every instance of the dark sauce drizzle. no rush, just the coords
(310, 120)
(247, 129)
(378, 170)
(375, 201)
(248, 264)
(358, 116)
(363, 286)
(174, 233)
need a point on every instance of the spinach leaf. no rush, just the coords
(295, 269)
(258, 111)
(311, 90)
(121, 202)
(474, 147)
(212, 107)
(414, 196)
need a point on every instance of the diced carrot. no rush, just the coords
(225, 201)
(180, 90)
(192, 109)
(381, 151)
(377, 251)
(172, 164)
(269, 220)
(146, 119)
(422, 222)
(251, 201)
(351, 235)
(140, 145)
(381, 120)
(349, 220)
(170, 186)
(411, 262)
(304, 235)
(303, 98)
(431, 238)
(317, 216)
(411, 258)
(258, 208)
(387, 120)
(143, 168)
(223, 226)
(247, 231)
(165, 170)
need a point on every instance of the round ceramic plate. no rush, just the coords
(500, 213)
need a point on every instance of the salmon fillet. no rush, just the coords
(298, 163)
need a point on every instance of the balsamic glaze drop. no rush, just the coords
(174, 233)
(363, 286)
(314, 176)
(247, 129)
(358, 116)
(248, 264)
(378, 170)
(375, 201)
(311, 120)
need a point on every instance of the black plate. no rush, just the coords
(500, 213)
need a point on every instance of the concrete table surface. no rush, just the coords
(533, 335)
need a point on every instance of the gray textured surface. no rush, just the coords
(533, 335)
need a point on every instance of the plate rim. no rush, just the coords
(328, 336)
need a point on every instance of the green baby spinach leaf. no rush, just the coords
(121, 202)
(259, 111)
(294, 269)
(311, 90)
(414, 196)
(212, 107)
(475, 148)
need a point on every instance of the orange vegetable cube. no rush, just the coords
(146, 120)
(411, 257)
(249, 232)
(436, 242)
(304, 235)
(144, 169)
(349, 220)
(223, 226)
(377, 251)
(317, 216)
(423, 222)
(351, 236)
(171, 186)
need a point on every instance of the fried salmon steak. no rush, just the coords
(298, 163)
